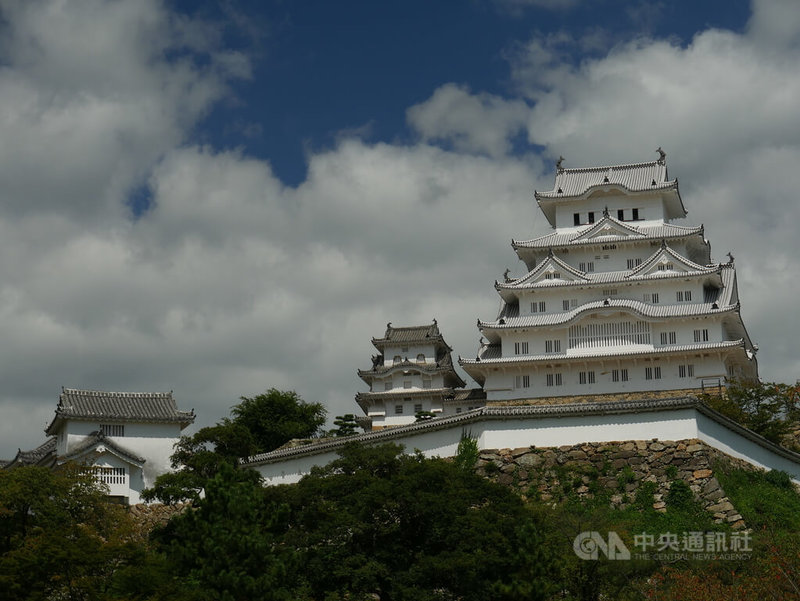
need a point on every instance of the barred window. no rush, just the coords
(618, 375)
(701, 335)
(111, 475)
(112, 429)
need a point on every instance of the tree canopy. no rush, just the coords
(257, 424)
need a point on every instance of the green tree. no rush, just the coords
(276, 417)
(60, 538)
(346, 425)
(228, 547)
(377, 522)
(257, 425)
(767, 408)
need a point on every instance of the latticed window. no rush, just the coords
(586, 377)
(609, 334)
(111, 475)
(701, 335)
(112, 429)
(522, 381)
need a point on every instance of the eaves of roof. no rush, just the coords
(640, 308)
(98, 439)
(610, 352)
(555, 240)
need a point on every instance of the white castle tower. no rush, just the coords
(616, 298)
(413, 373)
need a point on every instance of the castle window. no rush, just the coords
(610, 292)
(418, 408)
(652, 373)
(458, 409)
(404, 349)
(387, 385)
(426, 382)
(565, 305)
(576, 219)
(406, 383)
(112, 429)
(683, 296)
(586, 377)
(591, 216)
(421, 358)
(621, 214)
(554, 379)
(609, 334)
(398, 410)
(619, 375)
(669, 337)
(538, 307)
(522, 381)
(701, 335)
(635, 214)
(586, 266)
(111, 475)
(397, 360)
(686, 371)
(634, 263)
(552, 346)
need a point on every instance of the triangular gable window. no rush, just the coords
(608, 227)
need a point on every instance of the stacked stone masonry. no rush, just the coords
(619, 468)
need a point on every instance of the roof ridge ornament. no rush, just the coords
(605, 211)
(662, 156)
(505, 275)
(559, 167)
(730, 258)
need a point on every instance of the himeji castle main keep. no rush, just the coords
(618, 322)
(616, 298)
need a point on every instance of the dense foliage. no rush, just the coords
(377, 524)
(767, 408)
(257, 425)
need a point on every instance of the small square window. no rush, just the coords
(398, 410)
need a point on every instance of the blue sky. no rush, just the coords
(216, 198)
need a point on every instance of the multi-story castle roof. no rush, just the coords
(616, 292)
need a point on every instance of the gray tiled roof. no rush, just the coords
(34, 456)
(509, 316)
(634, 177)
(98, 438)
(642, 308)
(96, 405)
(644, 232)
(608, 277)
(523, 412)
(491, 354)
(409, 335)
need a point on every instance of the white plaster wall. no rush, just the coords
(390, 352)
(678, 424)
(153, 442)
(727, 441)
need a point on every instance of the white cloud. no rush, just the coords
(233, 283)
(481, 123)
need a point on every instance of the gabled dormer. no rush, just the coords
(665, 262)
(607, 227)
(552, 271)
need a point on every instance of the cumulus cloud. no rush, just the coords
(482, 123)
(233, 282)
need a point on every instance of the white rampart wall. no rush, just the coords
(677, 424)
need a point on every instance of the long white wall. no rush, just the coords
(675, 424)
